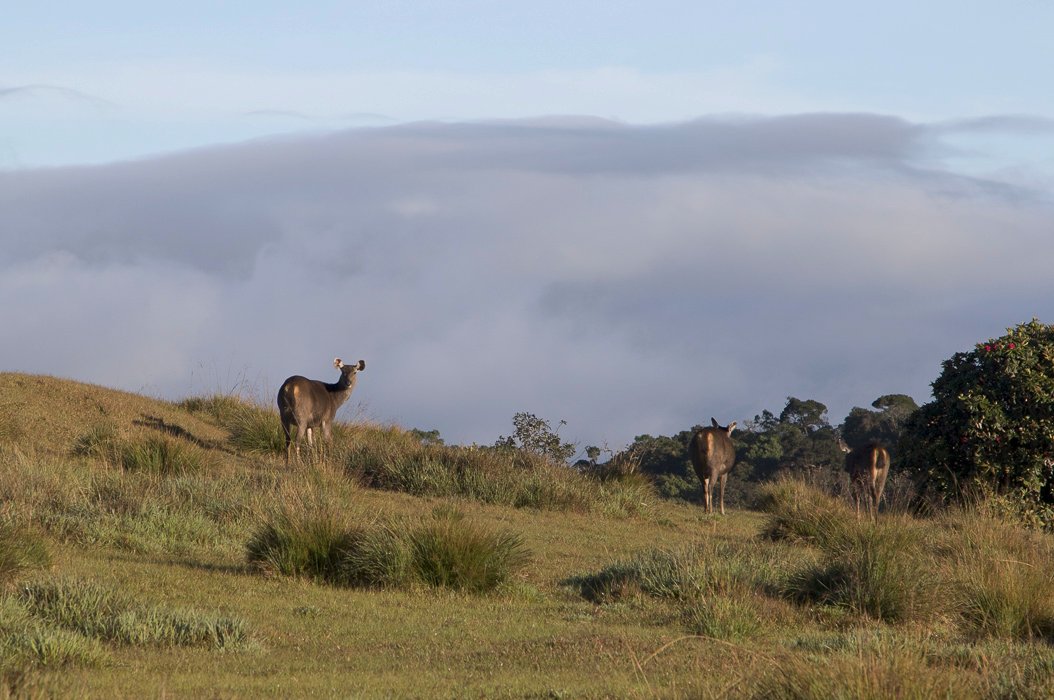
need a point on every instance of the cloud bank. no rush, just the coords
(626, 279)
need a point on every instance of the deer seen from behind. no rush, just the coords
(309, 404)
(867, 466)
(713, 455)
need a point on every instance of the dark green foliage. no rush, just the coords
(427, 437)
(536, 436)
(990, 426)
(884, 425)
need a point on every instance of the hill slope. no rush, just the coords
(657, 599)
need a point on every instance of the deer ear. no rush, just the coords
(362, 365)
(714, 421)
(731, 427)
(338, 363)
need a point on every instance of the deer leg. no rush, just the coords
(286, 427)
(708, 490)
(724, 477)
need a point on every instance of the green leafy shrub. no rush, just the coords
(991, 423)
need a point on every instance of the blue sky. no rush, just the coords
(91, 83)
(631, 216)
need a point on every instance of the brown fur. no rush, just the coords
(868, 466)
(309, 404)
(713, 455)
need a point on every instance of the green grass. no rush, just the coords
(394, 460)
(322, 541)
(20, 551)
(623, 595)
(100, 613)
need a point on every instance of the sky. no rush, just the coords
(627, 216)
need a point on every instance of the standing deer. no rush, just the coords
(713, 455)
(309, 404)
(867, 466)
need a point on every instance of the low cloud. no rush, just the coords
(626, 279)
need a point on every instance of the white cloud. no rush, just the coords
(625, 279)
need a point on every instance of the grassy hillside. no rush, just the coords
(152, 548)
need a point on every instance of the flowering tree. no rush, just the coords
(991, 423)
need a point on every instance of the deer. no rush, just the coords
(713, 455)
(309, 404)
(868, 466)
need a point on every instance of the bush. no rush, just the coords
(991, 422)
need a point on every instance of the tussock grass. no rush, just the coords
(872, 668)
(324, 542)
(452, 552)
(19, 552)
(252, 429)
(1001, 574)
(799, 512)
(715, 588)
(27, 642)
(150, 454)
(388, 458)
(99, 613)
(870, 568)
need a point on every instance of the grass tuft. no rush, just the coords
(99, 613)
(453, 552)
(19, 552)
(448, 551)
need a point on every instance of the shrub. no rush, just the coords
(991, 422)
(26, 642)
